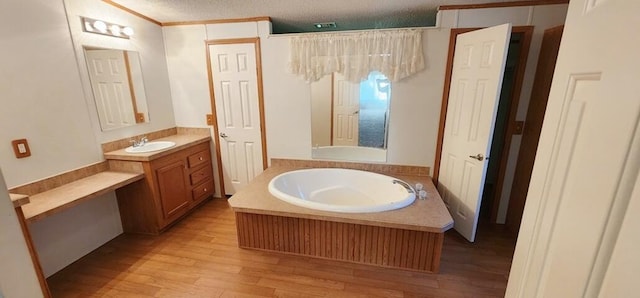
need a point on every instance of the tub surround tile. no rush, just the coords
(182, 141)
(194, 131)
(377, 168)
(18, 199)
(429, 215)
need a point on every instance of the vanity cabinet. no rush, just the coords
(174, 184)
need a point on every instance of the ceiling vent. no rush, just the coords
(327, 25)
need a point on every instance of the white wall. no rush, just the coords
(415, 103)
(18, 277)
(541, 17)
(45, 100)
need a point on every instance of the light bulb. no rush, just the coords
(128, 31)
(87, 26)
(115, 30)
(100, 26)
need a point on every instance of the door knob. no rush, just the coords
(223, 135)
(479, 157)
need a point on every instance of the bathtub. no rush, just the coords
(341, 190)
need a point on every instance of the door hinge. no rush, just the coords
(209, 119)
(519, 128)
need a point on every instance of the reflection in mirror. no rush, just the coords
(118, 87)
(349, 120)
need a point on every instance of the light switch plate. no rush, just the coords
(21, 148)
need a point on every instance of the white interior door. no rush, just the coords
(110, 84)
(235, 85)
(476, 81)
(346, 110)
(580, 231)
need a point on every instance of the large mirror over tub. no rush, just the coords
(118, 87)
(349, 121)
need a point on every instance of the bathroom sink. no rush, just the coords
(150, 147)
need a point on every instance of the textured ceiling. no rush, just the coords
(300, 15)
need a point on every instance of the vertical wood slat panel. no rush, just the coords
(382, 246)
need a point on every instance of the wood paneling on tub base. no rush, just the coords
(372, 245)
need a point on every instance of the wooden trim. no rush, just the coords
(263, 129)
(547, 58)
(332, 103)
(34, 254)
(355, 243)
(133, 12)
(256, 42)
(131, 90)
(214, 117)
(503, 4)
(232, 41)
(510, 130)
(220, 21)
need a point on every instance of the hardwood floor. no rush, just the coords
(199, 257)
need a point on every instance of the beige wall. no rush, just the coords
(45, 100)
(321, 112)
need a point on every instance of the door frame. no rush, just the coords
(510, 129)
(214, 117)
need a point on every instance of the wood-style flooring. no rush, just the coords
(199, 257)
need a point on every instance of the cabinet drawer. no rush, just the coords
(203, 189)
(201, 175)
(199, 158)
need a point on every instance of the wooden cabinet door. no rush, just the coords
(173, 188)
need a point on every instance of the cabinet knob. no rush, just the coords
(205, 189)
(201, 158)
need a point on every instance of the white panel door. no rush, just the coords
(346, 111)
(476, 81)
(235, 85)
(110, 84)
(579, 234)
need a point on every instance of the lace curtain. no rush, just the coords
(395, 53)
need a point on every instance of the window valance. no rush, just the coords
(395, 53)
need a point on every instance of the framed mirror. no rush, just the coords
(350, 121)
(118, 87)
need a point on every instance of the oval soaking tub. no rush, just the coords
(341, 190)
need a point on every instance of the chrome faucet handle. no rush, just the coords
(134, 143)
(143, 140)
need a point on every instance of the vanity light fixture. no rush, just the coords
(105, 28)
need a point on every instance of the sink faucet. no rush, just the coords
(143, 140)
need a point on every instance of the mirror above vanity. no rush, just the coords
(350, 121)
(118, 87)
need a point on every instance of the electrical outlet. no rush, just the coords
(209, 119)
(21, 148)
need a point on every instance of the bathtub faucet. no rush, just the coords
(405, 184)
